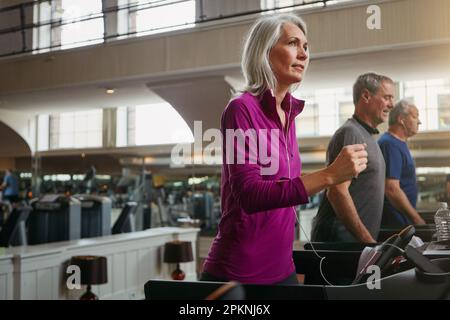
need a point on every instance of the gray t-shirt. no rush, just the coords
(367, 191)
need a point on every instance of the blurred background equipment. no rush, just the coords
(13, 233)
(55, 217)
(126, 221)
(95, 215)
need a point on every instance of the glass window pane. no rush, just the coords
(94, 122)
(307, 123)
(80, 139)
(65, 141)
(94, 139)
(121, 127)
(81, 122)
(160, 124)
(346, 110)
(76, 129)
(66, 123)
(430, 97)
(43, 132)
(85, 32)
(444, 111)
(181, 15)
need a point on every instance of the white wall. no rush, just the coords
(23, 123)
(39, 272)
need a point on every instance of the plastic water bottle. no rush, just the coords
(442, 221)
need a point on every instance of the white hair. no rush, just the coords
(400, 108)
(261, 38)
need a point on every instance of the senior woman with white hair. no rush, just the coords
(254, 242)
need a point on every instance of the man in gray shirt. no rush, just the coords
(352, 211)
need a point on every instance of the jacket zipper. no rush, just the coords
(287, 153)
(287, 138)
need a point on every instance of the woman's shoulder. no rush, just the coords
(243, 102)
(244, 99)
(241, 108)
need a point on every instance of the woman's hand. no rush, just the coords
(348, 164)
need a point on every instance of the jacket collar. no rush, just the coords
(268, 103)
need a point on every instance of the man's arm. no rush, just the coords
(400, 201)
(345, 210)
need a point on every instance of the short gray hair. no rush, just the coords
(261, 38)
(400, 108)
(370, 81)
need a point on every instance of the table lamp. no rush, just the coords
(176, 252)
(93, 271)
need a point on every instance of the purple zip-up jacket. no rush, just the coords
(255, 239)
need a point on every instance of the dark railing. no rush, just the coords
(25, 27)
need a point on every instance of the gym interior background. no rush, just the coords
(94, 95)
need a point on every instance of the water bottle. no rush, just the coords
(442, 221)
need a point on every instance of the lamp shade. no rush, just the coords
(178, 251)
(93, 269)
